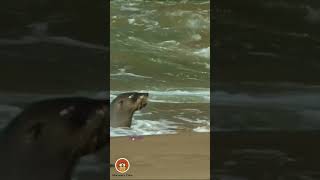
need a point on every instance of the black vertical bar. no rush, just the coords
(265, 49)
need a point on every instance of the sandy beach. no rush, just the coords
(179, 156)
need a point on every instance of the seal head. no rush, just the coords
(123, 107)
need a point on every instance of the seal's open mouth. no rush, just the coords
(142, 100)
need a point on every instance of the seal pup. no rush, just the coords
(46, 140)
(123, 107)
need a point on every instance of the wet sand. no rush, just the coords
(180, 156)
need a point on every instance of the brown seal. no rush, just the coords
(46, 140)
(123, 107)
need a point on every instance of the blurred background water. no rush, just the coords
(267, 72)
(265, 101)
(53, 49)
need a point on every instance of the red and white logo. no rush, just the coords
(122, 165)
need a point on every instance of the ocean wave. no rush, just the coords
(169, 43)
(204, 52)
(197, 121)
(124, 73)
(169, 48)
(126, 8)
(204, 92)
(178, 13)
(202, 129)
(39, 34)
(196, 37)
(173, 96)
(29, 40)
(298, 100)
(146, 127)
(197, 22)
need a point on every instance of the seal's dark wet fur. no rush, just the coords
(123, 107)
(47, 139)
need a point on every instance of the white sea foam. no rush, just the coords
(200, 92)
(204, 52)
(145, 127)
(196, 37)
(169, 43)
(124, 73)
(204, 92)
(197, 22)
(174, 96)
(178, 13)
(196, 121)
(125, 8)
(202, 129)
(163, 101)
(131, 20)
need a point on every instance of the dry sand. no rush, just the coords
(180, 156)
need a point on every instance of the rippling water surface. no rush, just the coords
(163, 47)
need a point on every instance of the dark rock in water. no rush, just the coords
(47, 139)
